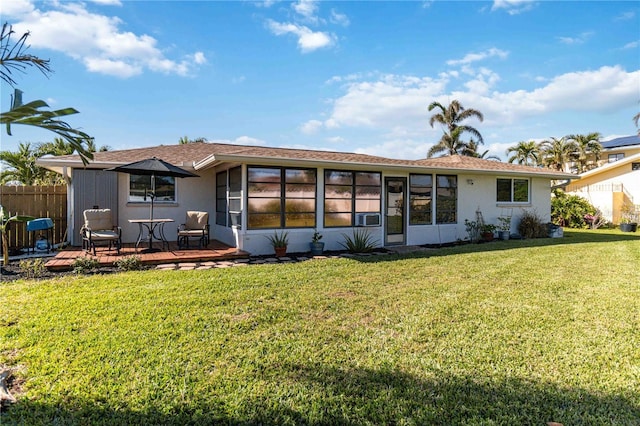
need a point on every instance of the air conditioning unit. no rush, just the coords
(368, 219)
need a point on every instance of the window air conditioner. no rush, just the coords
(368, 219)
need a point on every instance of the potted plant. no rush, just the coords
(316, 245)
(486, 231)
(504, 227)
(628, 223)
(279, 242)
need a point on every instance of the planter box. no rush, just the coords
(628, 227)
(316, 248)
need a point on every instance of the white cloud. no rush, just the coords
(475, 57)
(339, 18)
(308, 40)
(631, 45)
(15, 8)
(311, 127)
(307, 9)
(241, 140)
(108, 2)
(396, 105)
(513, 7)
(576, 40)
(625, 16)
(96, 40)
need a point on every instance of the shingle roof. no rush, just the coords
(194, 153)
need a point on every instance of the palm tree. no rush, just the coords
(527, 153)
(471, 150)
(636, 119)
(556, 152)
(450, 118)
(14, 58)
(585, 145)
(21, 166)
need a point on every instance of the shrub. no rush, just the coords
(531, 225)
(571, 210)
(33, 268)
(360, 242)
(129, 263)
(84, 265)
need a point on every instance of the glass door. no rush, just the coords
(395, 207)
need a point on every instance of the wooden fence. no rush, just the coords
(36, 201)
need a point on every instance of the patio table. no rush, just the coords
(154, 229)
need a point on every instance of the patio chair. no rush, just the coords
(98, 229)
(195, 227)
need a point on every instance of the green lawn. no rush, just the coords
(515, 332)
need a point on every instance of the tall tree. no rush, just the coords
(636, 119)
(35, 113)
(451, 118)
(185, 140)
(586, 145)
(21, 166)
(527, 153)
(471, 150)
(556, 152)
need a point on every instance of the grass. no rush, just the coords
(514, 332)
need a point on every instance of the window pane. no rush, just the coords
(258, 221)
(446, 199)
(337, 219)
(264, 190)
(421, 180)
(264, 205)
(520, 190)
(235, 205)
(300, 176)
(333, 191)
(221, 205)
(221, 218)
(139, 185)
(300, 205)
(337, 205)
(221, 179)
(447, 181)
(299, 220)
(235, 182)
(363, 178)
(504, 190)
(368, 206)
(368, 191)
(301, 191)
(335, 177)
(257, 174)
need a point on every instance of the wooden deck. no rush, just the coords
(215, 251)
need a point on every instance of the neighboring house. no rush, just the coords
(616, 181)
(251, 191)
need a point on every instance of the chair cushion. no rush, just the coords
(191, 233)
(98, 219)
(196, 220)
(104, 235)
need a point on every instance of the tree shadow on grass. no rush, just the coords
(327, 395)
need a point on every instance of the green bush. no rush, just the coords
(84, 265)
(33, 268)
(571, 210)
(129, 263)
(531, 225)
(360, 242)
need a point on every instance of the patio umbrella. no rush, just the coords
(152, 167)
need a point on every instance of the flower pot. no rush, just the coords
(280, 251)
(487, 236)
(316, 248)
(629, 227)
(504, 235)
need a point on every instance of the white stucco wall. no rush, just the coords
(191, 194)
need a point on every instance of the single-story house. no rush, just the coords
(250, 191)
(616, 180)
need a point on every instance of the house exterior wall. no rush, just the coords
(191, 194)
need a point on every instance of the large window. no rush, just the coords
(420, 196)
(347, 193)
(140, 188)
(281, 197)
(615, 157)
(446, 198)
(229, 197)
(512, 190)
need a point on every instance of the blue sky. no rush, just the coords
(351, 76)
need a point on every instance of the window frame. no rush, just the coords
(513, 190)
(224, 196)
(612, 158)
(354, 195)
(440, 212)
(140, 199)
(282, 198)
(413, 212)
